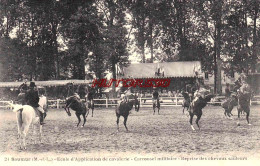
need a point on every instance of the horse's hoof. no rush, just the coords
(24, 148)
(238, 124)
(249, 124)
(20, 148)
(82, 126)
(192, 128)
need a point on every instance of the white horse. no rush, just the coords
(26, 116)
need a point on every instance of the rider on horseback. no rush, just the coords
(125, 95)
(32, 99)
(200, 92)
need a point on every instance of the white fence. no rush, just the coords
(144, 102)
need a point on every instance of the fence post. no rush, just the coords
(176, 98)
(58, 103)
(106, 103)
(140, 101)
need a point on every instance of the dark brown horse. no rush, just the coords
(77, 105)
(123, 109)
(196, 108)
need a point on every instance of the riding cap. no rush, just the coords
(32, 84)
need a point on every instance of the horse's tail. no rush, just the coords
(21, 115)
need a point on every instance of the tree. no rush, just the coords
(114, 34)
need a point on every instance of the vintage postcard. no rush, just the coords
(151, 82)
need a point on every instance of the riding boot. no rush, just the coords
(41, 118)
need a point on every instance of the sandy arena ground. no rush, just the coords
(167, 134)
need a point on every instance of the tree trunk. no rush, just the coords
(254, 55)
(143, 40)
(218, 48)
(151, 38)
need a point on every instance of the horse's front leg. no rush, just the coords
(247, 115)
(125, 119)
(117, 122)
(40, 136)
(238, 115)
(191, 117)
(84, 117)
(153, 108)
(87, 112)
(197, 120)
(24, 133)
(227, 113)
(34, 135)
(79, 119)
(19, 131)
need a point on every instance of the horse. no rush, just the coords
(124, 107)
(156, 104)
(228, 105)
(26, 116)
(196, 108)
(186, 102)
(78, 106)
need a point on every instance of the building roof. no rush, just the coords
(44, 83)
(166, 70)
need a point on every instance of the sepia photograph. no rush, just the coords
(127, 82)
